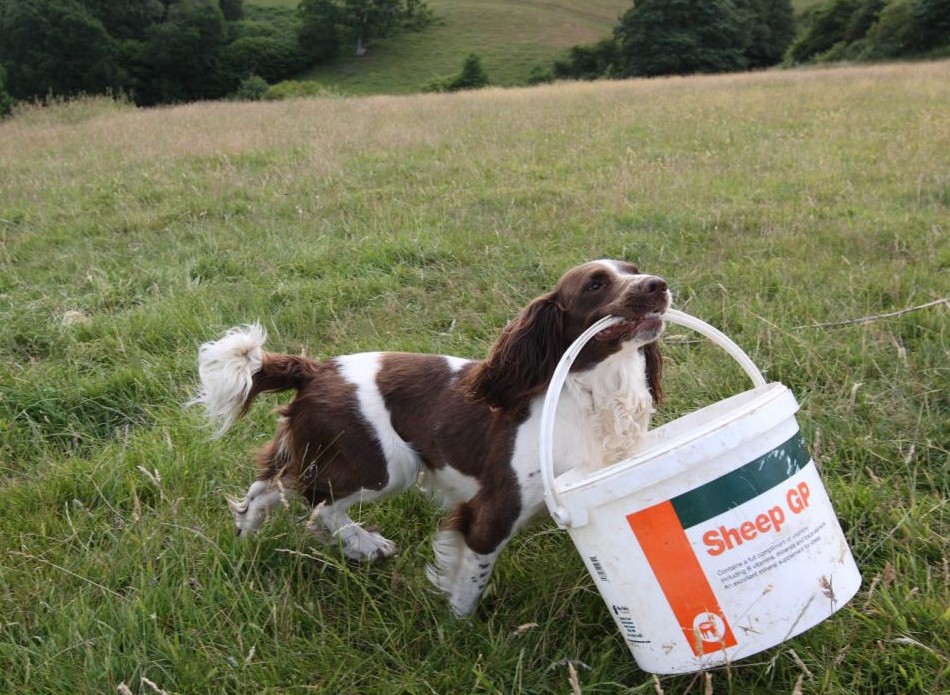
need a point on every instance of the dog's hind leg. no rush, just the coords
(356, 542)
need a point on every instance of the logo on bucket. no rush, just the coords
(662, 533)
(709, 627)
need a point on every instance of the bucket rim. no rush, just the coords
(762, 398)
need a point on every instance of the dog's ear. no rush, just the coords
(523, 359)
(654, 359)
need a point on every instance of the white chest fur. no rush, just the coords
(612, 406)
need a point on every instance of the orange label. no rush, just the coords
(677, 569)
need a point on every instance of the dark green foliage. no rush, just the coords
(232, 10)
(472, 76)
(894, 33)
(252, 88)
(680, 37)
(159, 51)
(318, 35)
(326, 24)
(271, 58)
(932, 23)
(662, 37)
(872, 29)
(6, 101)
(589, 62)
(56, 46)
(770, 28)
(183, 54)
(825, 26)
(126, 19)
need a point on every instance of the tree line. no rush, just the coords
(678, 37)
(168, 51)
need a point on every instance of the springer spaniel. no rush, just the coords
(363, 427)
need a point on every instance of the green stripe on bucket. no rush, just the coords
(743, 484)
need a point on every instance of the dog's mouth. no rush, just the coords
(628, 329)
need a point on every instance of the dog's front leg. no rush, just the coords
(468, 547)
(460, 572)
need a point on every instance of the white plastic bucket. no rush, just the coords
(717, 540)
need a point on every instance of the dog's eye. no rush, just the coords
(595, 285)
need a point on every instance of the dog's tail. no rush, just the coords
(235, 368)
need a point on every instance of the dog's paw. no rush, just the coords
(367, 546)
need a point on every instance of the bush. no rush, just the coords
(589, 62)
(271, 58)
(251, 88)
(472, 76)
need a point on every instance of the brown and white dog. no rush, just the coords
(363, 427)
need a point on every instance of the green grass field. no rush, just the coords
(772, 202)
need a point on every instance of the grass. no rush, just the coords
(772, 202)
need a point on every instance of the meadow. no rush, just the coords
(775, 204)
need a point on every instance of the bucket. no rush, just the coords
(716, 540)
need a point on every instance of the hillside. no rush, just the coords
(511, 36)
(805, 213)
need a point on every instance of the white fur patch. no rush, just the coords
(226, 369)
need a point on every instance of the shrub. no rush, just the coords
(271, 58)
(589, 62)
(252, 88)
(472, 76)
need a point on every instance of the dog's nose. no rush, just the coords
(655, 285)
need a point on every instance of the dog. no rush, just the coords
(361, 428)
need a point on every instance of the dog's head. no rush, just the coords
(522, 360)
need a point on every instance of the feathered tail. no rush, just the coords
(226, 368)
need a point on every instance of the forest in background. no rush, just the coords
(175, 51)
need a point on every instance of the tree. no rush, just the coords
(367, 19)
(56, 47)
(663, 37)
(770, 30)
(932, 23)
(472, 76)
(183, 54)
(126, 19)
(829, 24)
(318, 36)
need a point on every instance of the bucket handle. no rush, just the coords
(546, 437)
